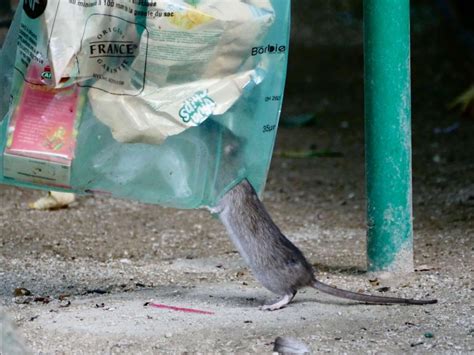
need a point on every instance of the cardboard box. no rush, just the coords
(42, 135)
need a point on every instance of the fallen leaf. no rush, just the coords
(21, 292)
(54, 200)
(424, 268)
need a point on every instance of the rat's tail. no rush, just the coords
(334, 291)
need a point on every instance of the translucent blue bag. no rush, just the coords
(170, 102)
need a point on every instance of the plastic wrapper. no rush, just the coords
(167, 101)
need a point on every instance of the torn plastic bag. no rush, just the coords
(169, 101)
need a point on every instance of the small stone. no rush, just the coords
(374, 282)
(288, 345)
(23, 299)
(64, 303)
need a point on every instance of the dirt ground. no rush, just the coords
(93, 268)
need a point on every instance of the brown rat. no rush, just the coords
(275, 261)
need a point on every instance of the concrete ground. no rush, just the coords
(95, 268)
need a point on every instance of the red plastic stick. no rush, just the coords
(179, 309)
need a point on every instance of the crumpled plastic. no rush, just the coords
(186, 64)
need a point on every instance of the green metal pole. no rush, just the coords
(388, 135)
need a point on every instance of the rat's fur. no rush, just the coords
(275, 261)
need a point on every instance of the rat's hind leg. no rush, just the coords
(279, 304)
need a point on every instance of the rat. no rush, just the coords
(273, 259)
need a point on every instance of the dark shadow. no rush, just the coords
(339, 269)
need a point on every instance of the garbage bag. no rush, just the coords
(170, 102)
